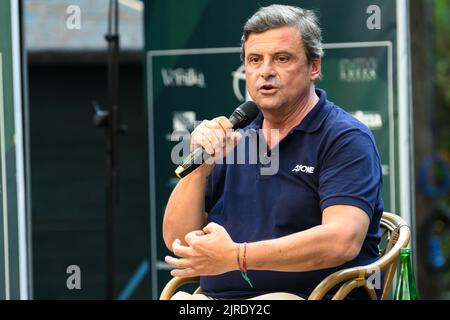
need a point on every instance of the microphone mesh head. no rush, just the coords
(250, 109)
(245, 114)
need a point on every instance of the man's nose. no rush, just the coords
(267, 69)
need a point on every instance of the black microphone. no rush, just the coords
(241, 117)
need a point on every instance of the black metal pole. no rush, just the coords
(112, 142)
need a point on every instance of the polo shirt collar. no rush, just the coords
(313, 120)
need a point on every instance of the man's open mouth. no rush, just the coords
(268, 88)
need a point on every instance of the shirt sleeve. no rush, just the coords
(351, 173)
(215, 187)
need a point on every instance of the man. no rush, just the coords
(248, 235)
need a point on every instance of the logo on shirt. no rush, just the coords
(302, 168)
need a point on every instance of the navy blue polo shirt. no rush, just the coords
(329, 158)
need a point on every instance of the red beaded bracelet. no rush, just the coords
(244, 263)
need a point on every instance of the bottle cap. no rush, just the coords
(405, 251)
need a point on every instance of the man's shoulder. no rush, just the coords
(340, 122)
(343, 129)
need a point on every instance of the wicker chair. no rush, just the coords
(396, 235)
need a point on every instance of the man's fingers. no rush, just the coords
(216, 138)
(184, 267)
(183, 272)
(224, 123)
(179, 263)
(220, 134)
(213, 132)
(200, 138)
(193, 236)
(180, 250)
(210, 227)
(235, 137)
(208, 139)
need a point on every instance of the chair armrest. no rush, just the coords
(359, 273)
(174, 284)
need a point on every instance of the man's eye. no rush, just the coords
(282, 58)
(254, 59)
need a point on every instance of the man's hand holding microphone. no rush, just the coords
(214, 139)
(203, 248)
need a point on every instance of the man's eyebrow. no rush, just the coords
(251, 55)
(283, 52)
(273, 54)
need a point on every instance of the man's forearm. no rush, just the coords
(316, 248)
(185, 211)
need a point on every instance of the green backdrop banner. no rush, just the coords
(13, 267)
(194, 72)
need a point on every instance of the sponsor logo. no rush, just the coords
(358, 70)
(183, 122)
(238, 78)
(302, 168)
(371, 119)
(183, 77)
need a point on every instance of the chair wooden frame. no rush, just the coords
(398, 235)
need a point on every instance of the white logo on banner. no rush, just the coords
(183, 120)
(358, 70)
(385, 169)
(371, 119)
(238, 76)
(183, 77)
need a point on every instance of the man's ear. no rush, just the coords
(316, 66)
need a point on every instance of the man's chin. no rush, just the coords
(268, 105)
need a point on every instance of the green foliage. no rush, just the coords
(442, 32)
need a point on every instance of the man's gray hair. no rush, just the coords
(277, 16)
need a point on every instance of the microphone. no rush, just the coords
(241, 117)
